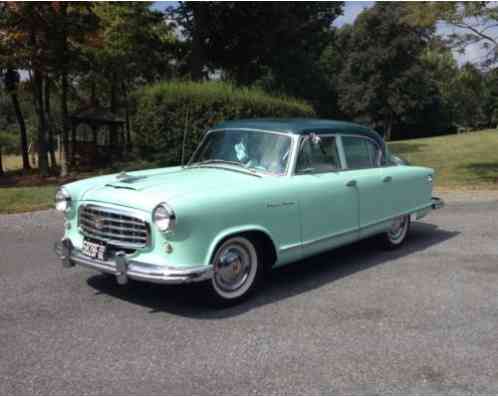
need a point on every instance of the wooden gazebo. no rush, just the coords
(101, 141)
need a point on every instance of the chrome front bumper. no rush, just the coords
(124, 268)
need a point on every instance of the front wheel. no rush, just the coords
(236, 268)
(396, 235)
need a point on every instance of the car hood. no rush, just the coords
(144, 190)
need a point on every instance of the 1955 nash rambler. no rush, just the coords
(256, 194)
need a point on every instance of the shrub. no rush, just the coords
(164, 111)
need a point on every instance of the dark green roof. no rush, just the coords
(302, 126)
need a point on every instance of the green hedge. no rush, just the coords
(162, 112)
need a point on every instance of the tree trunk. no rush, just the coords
(128, 130)
(1, 162)
(388, 125)
(197, 51)
(22, 130)
(73, 145)
(93, 95)
(114, 108)
(50, 126)
(65, 126)
(37, 86)
(127, 119)
(64, 113)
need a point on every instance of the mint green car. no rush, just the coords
(256, 194)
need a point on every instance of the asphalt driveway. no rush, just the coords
(419, 320)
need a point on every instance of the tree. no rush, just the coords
(475, 23)
(380, 78)
(132, 46)
(24, 27)
(11, 83)
(471, 82)
(42, 38)
(73, 28)
(326, 74)
(229, 35)
(441, 74)
(490, 98)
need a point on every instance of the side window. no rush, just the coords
(361, 153)
(318, 155)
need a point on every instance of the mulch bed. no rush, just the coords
(32, 179)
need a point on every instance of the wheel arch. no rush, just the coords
(254, 232)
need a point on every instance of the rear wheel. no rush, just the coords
(396, 236)
(237, 269)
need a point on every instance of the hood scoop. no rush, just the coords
(125, 181)
(123, 177)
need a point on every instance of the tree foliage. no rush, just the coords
(380, 80)
(474, 23)
(249, 41)
(168, 110)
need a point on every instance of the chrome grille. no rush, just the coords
(119, 228)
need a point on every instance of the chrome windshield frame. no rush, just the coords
(292, 148)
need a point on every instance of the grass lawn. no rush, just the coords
(466, 161)
(22, 199)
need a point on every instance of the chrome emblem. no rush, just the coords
(99, 223)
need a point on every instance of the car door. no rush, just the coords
(328, 208)
(363, 159)
(409, 189)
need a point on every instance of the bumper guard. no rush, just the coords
(437, 203)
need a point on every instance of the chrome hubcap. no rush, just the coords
(233, 267)
(398, 229)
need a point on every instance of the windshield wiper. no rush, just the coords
(306, 170)
(218, 161)
(250, 170)
(214, 161)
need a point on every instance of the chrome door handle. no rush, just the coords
(387, 179)
(351, 183)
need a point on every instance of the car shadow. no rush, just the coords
(282, 283)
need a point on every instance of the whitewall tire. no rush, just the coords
(396, 235)
(236, 266)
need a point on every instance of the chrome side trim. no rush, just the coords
(316, 240)
(123, 268)
(290, 247)
(280, 204)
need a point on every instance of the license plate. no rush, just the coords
(93, 250)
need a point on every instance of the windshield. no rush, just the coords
(257, 151)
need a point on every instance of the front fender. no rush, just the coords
(233, 231)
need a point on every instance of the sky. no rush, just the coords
(353, 8)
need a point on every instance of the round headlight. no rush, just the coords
(164, 217)
(62, 200)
